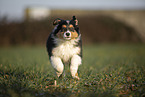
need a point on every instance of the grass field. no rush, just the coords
(107, 70)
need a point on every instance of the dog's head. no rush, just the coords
(66, 29)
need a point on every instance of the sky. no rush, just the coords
(14, 9)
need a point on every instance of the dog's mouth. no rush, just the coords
(67, 38)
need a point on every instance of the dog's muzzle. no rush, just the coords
(67, 35)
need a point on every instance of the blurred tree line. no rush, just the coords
(94, 29)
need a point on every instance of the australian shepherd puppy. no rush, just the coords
(64, 45)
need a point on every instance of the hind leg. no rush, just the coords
(75, 62)
(57, 65)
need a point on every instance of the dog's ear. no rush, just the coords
(56, 21)
(75, 20)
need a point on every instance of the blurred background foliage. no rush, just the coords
(94, 29)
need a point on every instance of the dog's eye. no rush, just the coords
(71, 29)
(64, 29)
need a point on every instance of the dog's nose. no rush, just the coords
(67, 34)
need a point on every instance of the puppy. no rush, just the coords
(64, 45)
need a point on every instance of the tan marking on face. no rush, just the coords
(64, 26)
(74, 35)
(71, 25)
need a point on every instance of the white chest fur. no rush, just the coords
(65, 49)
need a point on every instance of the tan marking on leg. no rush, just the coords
(77, 76)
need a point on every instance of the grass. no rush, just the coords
(107, 70)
